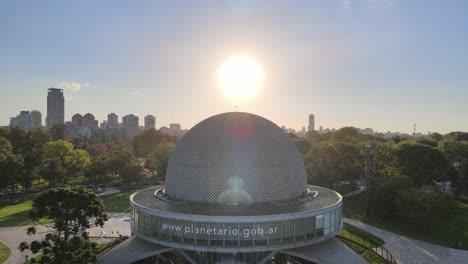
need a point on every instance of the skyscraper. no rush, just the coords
(36, 118)
(311, 122)
(150, 122)
(55, 107)
(130, 121)
(27, 120)
(112, 120)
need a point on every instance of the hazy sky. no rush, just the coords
(383, 64)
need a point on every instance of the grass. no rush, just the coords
(16, 214)
(361, 235)
(5, 252)
(101, 249)
(443, 232)
(119, 202)
(367, 254)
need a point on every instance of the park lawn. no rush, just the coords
(367, 254)
(16, 214)
(443, 232)
(119, 202)
(5, 252)
(360, 234)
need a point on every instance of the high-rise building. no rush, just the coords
(311, 122)
(150, 122)
(23, 120)
(77, 120)
(89, 121)
(27, 120)
(104, 124)
(36, 118)
(130, 121)
(55, 107)
(175, 127)
(112, 120)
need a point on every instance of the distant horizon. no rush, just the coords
(380, 64)
(141, 121)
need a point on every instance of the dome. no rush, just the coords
(235, 158)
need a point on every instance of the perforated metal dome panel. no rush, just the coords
(235, 158)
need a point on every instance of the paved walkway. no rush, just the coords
(109, 190)
(412, 251)
(118, 223)
(355, 192)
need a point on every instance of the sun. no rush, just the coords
(240, 76)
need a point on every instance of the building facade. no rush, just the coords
(311, 123)
(55, 107)
(236, 188)
(112, 120)
(150, 122)
(27, 120)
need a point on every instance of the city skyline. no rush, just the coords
(378, 64)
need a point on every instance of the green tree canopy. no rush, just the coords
(158, 160)
(422, 163)
(72, 211)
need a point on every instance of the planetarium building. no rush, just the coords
(236, 191)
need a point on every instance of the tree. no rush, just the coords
(422, 163)
(53, 172)
(33, 154)
(131, 172)
(158, 160)
(119, 155)
(423, 207)
(97, 150)
(58, 132)
(321, 165)
(10, 165)
(149, 140)
(59, 155)
(383, 191)
(303, 144)
(72, 211)
(455, 151)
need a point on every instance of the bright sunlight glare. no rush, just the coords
(240, 76)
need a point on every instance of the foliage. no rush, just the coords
(58, 132)
(131, 172)
(351, 232)
(422, 207)
(5, 252)
(96, 150)
(120, 154)
(304, 145)
(10, 165)
(384, 190)
(422, 163)
(72, 211)
(158, 160)
(444, 230)
(61, 160)
(148, 141)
